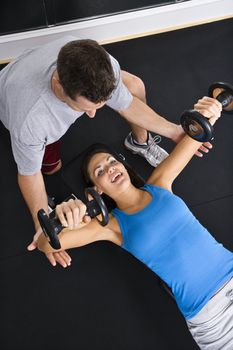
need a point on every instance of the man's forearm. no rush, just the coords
(34, 193)
(142, 115)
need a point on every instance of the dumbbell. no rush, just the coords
(196, 125)
(52, 226)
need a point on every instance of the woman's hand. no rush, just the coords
(54, 257)
(72, 213)
(205, 147)
(210, 108)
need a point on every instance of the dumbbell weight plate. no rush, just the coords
(217, 88)
(196, 126)
(96, 206)
(50, 228)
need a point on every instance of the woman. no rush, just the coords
(156, 227)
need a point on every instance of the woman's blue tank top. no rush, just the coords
(167, 237)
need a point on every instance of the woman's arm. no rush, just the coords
(171, 167)
(84, 234)
(79, 229)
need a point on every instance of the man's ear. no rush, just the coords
(58, 83)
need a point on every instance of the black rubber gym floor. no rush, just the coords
(107, 299)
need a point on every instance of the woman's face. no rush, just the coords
(108, 174)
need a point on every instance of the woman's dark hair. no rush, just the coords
(135, 178)
(84, 69)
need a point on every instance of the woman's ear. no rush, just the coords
(97, 190)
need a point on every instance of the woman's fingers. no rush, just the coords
(209, 107)
(71, 213)
(199, 154)
(205, 147)
(51, 258)
(82, 209)
(61, 215)
(60, 257)
(67, 257)
(63, 258)
(208, 145)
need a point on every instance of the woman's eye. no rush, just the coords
(100, 172)
(113, 161)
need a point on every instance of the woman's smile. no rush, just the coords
(116, 176)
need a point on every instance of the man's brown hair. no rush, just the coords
(84, 69)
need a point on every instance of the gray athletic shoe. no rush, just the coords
(151, 152)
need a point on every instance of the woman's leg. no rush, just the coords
(212, 327)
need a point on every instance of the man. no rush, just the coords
(47, 88)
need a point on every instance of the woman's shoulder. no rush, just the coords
(157, 186)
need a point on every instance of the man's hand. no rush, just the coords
(61, 257)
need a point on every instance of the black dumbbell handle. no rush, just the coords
(224, 98)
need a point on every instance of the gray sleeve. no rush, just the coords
(28, 157)
(121, 97)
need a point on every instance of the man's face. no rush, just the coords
(82, 104)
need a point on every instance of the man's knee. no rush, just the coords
(138, 88)
(134, 84)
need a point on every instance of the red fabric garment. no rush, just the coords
(52, 157)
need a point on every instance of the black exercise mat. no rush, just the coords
(105, 300)
(216, 216)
